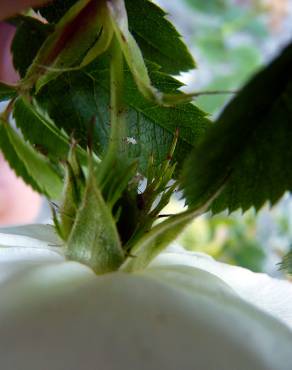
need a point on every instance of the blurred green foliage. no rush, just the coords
(229, 239)
(228, 35)
(228, 38)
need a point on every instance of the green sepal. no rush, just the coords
(67, 47)
(28, 39)
(117, 181)
(54, 11)
(151, 244)
(94, 239)
(56, 222)
(72, 193)
(158, 191)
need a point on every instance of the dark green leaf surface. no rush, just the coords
(6, 92)
(36, 165)
(85, 95)
(13, 159)
(40, 132)
(250, 144)
(158, 39)
(27, 41)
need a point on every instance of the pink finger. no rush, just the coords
(18, 202)
(9, 8)
(7, 72)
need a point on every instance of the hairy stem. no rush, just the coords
(117, 108)
(116, 148)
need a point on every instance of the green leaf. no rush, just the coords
(85, 95)
(164, 46)
(45, 178)
(156, 36)
(13, 159)
(7, 92)
(28, 39)
(250, 144)
(40, 131)
(94, 239)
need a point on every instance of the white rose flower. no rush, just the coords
(185, 311)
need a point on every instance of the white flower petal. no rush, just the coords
(269, 294)
(63, 317)
(25, 247)
(45, 233)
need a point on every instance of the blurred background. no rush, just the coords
(230, 41)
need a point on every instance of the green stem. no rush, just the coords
(117, 117)
(116, 147)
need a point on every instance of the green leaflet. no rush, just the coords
(85, 95)
(161, 235)
(45, 178)
(13, 159)
(42, 133)
(94, 239)
(39, 131)
(164, 46)
(28, 39)
(7, 92)
(250, 143)
(152, 126)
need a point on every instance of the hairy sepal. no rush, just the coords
(94, 239)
